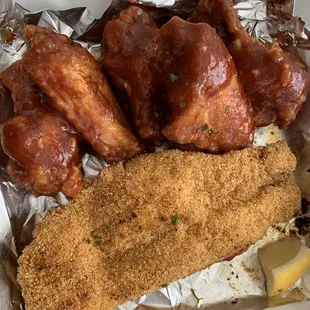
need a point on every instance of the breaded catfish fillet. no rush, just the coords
(156, 219)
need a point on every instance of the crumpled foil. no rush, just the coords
(237, 284)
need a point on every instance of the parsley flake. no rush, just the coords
(98, 239)
(40, 267)
(227, 108)
(205, 127)
(173, 77)
(88, 241)
(182, 104)
(212, 133)
(175, 219)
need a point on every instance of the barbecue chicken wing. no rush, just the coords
(75, 86)
(43, 153)
(208, 106)
(274, 83)
(129, 48)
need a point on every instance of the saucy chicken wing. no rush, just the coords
(43, 153)
(208, 106)
(274, 83)
(129, 48)
(76, 87)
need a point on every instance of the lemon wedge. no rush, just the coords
(283, 263)
(286, 297)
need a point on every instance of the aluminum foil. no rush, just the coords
(237, 284)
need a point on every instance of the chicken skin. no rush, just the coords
(129, 49)
(274, 83)
(75, 86)
(208, 106)
(43, 152)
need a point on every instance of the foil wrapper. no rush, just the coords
(238, 284)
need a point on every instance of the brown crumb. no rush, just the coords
(217, 198)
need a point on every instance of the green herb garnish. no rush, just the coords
(182, 104)
(88, 241)
(98, 239)
(175, 219)
(227, 108)
(40, 267)
(211, 132)
(205, 127)
(173, 77)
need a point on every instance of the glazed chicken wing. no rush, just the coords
(129, 54)
(75, 86)
(274, 83)
(43, 153)
(208, 106)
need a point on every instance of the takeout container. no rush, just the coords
(215, 286)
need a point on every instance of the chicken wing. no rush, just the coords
(274, 83)
(75, 86)
(43, 153)
(129, 48)
(157, 219)
(25, 95)
(208, 106)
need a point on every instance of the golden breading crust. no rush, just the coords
(158, 218)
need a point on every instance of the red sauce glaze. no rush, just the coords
(76, 87)
(275, 84)
(129, 47)
(208, 105)
(43, 152)
(273, 81)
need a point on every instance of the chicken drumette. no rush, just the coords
(76, 87)
(43, 153)
(274, 83)
(208, 106)
(129, 47)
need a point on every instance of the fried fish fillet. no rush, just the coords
(155, 219)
